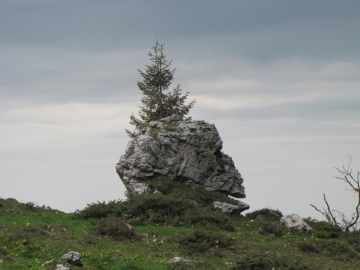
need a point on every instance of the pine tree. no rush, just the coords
(156, 103)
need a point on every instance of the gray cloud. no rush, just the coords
(260, 29)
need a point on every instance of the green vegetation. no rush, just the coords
(161, 229)
(169, 127)
(178, 206)
(157, 101)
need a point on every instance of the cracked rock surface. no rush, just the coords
(188, 152)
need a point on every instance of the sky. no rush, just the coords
(279, 79)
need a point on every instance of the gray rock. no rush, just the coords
(48, 263)
(157, 192)
(73, 258)
(295, 222)
(188, 152)
(62, 267)
(231, 208)
(179, 260)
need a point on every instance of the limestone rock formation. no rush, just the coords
(73, 258)
(230, 208)
(295, 222)
(188, 152)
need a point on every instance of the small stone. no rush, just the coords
(62, 267)
(156, 192)
(73, 258)
(47, 263)
(179, 260)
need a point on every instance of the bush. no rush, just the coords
(323, 228)
(29, 205)
(269, 227)
(322, 235)
(353, 239)
(336, 249)
(265, 213)
(116, 229)
(266, 262)
(307, 247)
(262, 262)
(199, 241)
(156, 209)
(179, 205)
(180, 190)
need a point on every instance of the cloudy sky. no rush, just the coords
(279, 79)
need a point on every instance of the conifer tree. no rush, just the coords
(158, 102)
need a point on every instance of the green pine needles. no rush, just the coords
(158, 102)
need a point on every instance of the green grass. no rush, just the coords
(31, 235)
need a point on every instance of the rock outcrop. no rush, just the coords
(230, 208)
(73, 258)
(188, 152)
(295, 222)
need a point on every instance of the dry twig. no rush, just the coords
(346, 224)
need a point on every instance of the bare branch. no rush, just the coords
(323, 213)
(329, 212)
(347, 224)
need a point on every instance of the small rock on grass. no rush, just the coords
(62, 267)
(73, 258)
(47, 263)
(179, 260)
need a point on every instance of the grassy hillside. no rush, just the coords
(163, 227)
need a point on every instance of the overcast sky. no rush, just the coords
(279, 79)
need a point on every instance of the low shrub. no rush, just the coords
(169, 127)
(324, 229)
(322, 235)
(269, 227)
(266, 262)
(177, 206)
(199, 241)
(337, 250)
(353, 238)
(180, 190)
(193, 265)
(265, 213)
(29, 206)
(117, 229)
(157, 210)
(261, 262)
(307, 247)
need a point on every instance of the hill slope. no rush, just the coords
(31, 235)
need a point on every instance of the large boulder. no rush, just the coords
(188, 152)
